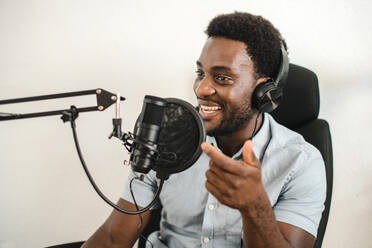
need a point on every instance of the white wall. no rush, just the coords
(150, 47)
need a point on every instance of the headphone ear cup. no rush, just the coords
(266, 97)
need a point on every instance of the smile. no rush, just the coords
(208, 111)
(209, 108)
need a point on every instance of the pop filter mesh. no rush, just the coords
(181, 134)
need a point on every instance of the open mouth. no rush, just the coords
(209, 111)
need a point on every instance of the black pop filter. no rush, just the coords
(168, 135)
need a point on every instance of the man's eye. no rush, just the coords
(223, 78)
(199, 73)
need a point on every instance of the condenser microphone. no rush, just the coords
(167, 136)
(146, 133)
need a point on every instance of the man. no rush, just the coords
(262, 192)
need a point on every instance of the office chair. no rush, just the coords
(298, 111)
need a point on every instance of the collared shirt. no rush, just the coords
(293, 175)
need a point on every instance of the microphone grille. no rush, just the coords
(153, 110)
(153, 114)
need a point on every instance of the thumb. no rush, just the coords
(248, 155)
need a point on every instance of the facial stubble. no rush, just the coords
(237, 118)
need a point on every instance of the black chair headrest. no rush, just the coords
(300, 102)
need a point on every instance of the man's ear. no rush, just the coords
(262, 80)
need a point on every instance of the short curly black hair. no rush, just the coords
(262, 39)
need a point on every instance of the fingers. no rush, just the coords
(248, 155)
(215, 155)
(224, 175)
(220, 160)
(219, 189)
(214, 190)
(220, 178)
(228, 164)
(229, 180)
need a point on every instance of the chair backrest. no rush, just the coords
(299, 111)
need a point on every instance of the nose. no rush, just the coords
(204, 87)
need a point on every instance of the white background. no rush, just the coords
(150, 47)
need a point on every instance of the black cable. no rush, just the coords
(146, 240)
(255, 125)
(134, 200)
(98, 190)
(139, 215)
(2, 114)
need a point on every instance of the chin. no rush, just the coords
(210, 127)
(213, 131)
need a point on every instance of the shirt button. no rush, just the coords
(211, 207)
(206, 240)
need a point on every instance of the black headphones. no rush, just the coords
(266, 97)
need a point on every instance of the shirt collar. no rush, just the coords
(260, 140)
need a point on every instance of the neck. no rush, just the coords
(231, 144)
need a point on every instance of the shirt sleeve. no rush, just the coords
(301, 202)
(143, 191)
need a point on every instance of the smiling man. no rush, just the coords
(257, 184)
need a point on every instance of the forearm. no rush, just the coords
(260, 227)
(99, 239)
(103, 239)
(110, 235)
(119, 230)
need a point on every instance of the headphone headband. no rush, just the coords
(281, 78)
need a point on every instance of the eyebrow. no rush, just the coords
(216, 67)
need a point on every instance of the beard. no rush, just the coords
(237, 118)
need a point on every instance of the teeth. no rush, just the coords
(210, 108)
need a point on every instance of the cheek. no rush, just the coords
(241, 95)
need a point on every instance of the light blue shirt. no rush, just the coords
(293, 175)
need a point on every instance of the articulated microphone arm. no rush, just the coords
(104, 100)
